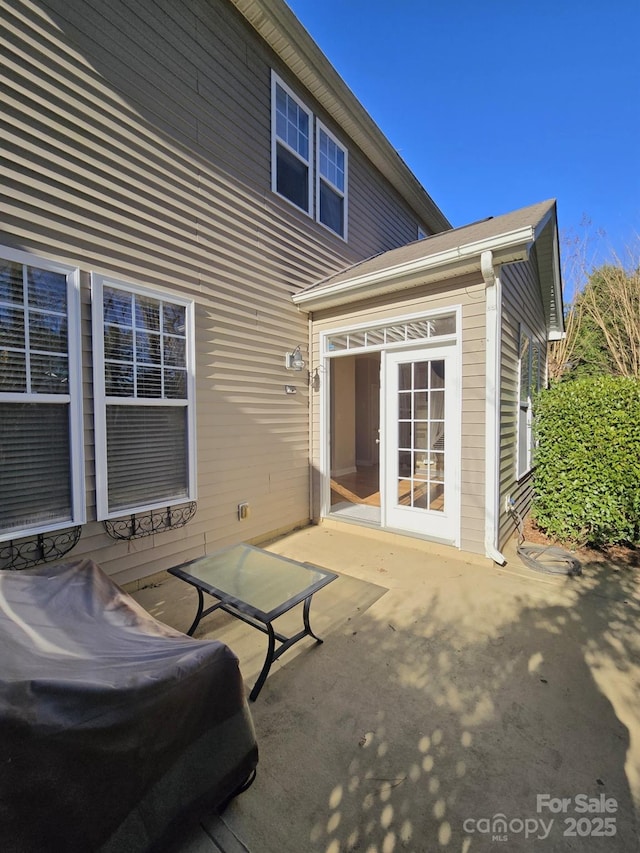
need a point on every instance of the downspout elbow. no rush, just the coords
(487, 268)
(495, 555)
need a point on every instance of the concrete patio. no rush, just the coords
(448, 698)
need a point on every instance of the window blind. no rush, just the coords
(147, 455)
(35, 485)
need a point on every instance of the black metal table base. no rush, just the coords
(267, 628)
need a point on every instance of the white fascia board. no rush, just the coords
(506, 248)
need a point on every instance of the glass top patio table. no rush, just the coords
(255, 586)
(257, 582)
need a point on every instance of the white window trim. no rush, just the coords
(101, 400)
(433, 314)
(344, 194)
(74, 398)
(275, 140)
(525, 466)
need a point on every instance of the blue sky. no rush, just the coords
(499, 104)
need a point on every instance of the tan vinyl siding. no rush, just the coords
(468, 292)
(137, 143)
(521, 303)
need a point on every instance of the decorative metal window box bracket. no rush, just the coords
(137, 525)
(30, 551)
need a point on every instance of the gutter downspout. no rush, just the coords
(492, 403)
(311, 390)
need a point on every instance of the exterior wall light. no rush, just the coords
(293, 360)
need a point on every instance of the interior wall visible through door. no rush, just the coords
(355, 437)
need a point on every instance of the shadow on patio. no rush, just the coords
(456, 694)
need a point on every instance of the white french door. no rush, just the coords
(420, 442)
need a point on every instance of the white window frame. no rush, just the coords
(342, 193)
(73, 398)
(101, 400)
(276, 140)
(525, 406)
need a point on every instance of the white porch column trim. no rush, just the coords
(492, 406)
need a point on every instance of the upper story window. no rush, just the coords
(291, 155)
(303, 160)
(144, 398)
(331, 177)
(41, 442)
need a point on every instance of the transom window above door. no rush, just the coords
(421, 328)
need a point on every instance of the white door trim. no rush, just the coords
(453, 344)
(439, 526)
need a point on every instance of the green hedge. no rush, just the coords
(587, 461)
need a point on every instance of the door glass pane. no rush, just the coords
(419, 495)
(404, 463)
(437, 466)
(421, 374)
(437, 405)
(404, 435)
(404, 406)
(436, 431)
(421, 404)
(421, 437)
(404, 492)
(421, 469)
(437, 374)
(436, 497)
